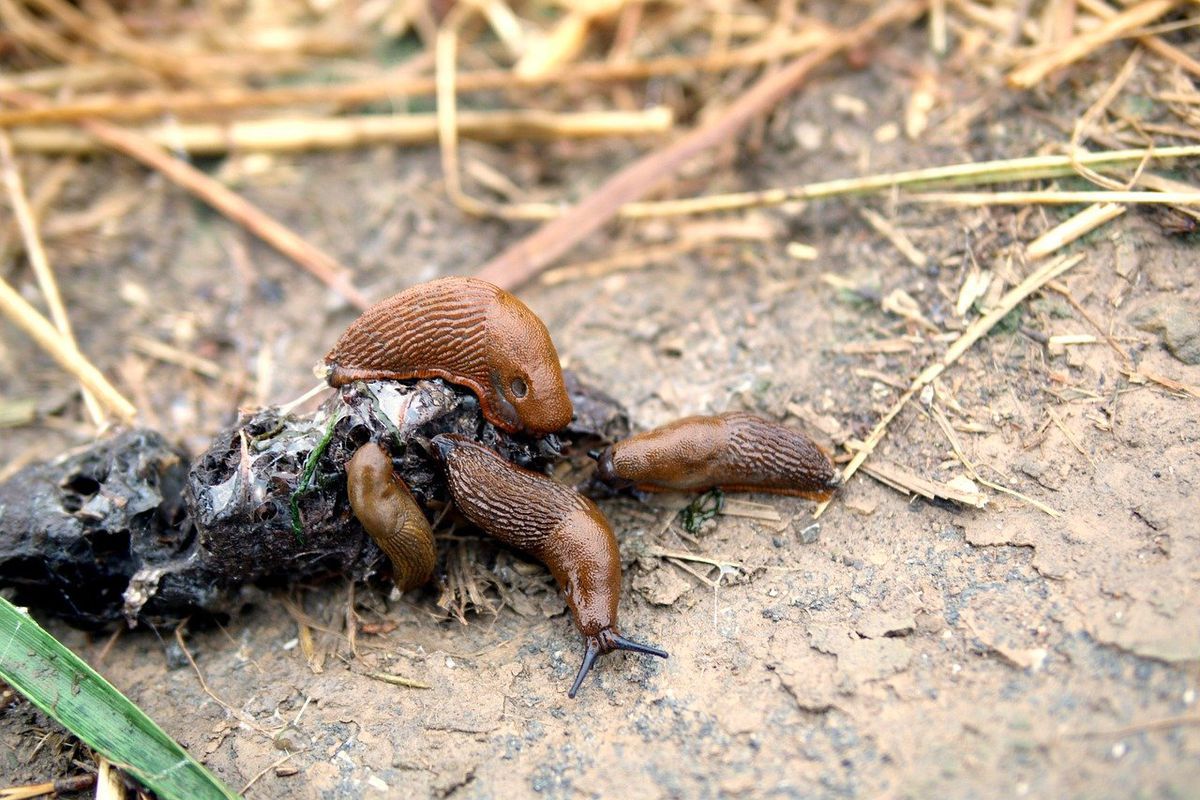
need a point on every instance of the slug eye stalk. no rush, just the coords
(605, 642)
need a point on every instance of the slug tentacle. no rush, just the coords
(554, 524)
(735, 451)
(468, 332)
(605, 642)
(391, 516)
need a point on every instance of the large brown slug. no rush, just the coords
(387, 510)
(735, 451)
(554, 524)
(467, 332)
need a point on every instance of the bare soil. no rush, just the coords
(904, 648)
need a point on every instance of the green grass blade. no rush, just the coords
(59, 683)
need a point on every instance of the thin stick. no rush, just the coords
(79, 76)
(1094, 112)
(288, 407)
(1070, 437)
(41, 265)
(973, 471)
(1159, 183)
(530, 255)
(979, 199)
(974, 332)
(322, 265)
(734, 507)
(894, 235)
(1076, 226)
(1058, 342)
(394, 84)
(1192, 98)
(397, 680)
(64, 352)
(1142, 727)
(112, 40)
(1062, 290)
(1135, 376)
(173, 355)
(446, 65)
(937, 26)
(109, 785)
(505, 25)
(279, 762)
(564, 41)
(40, 199)
(1083, 45)
(1038, 504)
(1152, 43)
(970, 173)
(296, 134)
(26, 28)
(69, 785)
(237, 713)
(908, 482)
(683, 555)
(1059, 21)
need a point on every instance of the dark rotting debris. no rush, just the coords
(127, 529)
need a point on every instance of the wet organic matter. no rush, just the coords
(126, 529)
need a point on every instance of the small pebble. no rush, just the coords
(176, 658)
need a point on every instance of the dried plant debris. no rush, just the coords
(125, 529)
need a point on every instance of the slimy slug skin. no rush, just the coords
(554, 524)
(468, 332)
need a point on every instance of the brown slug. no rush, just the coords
(554, 524)
(735, 451)
(387, 510)
(468, 332)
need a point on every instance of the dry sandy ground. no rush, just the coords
(904, 648)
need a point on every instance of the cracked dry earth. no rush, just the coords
(903, 648)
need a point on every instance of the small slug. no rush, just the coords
(468, 332)
(735, 451)
(387, 510)
(554, 524)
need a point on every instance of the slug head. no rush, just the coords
(444, 444)
(605, 470)
(524, 370)
(604, 642)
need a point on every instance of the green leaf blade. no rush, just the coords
(64, 687)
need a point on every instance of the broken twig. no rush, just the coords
(530, 255)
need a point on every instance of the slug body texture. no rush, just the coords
(387, 510)
(554, 524)
(468, 332)
(735, 451)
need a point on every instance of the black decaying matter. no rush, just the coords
(127, 529)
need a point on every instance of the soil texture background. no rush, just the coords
(898, 646)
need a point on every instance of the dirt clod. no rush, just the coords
(1177, 322)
